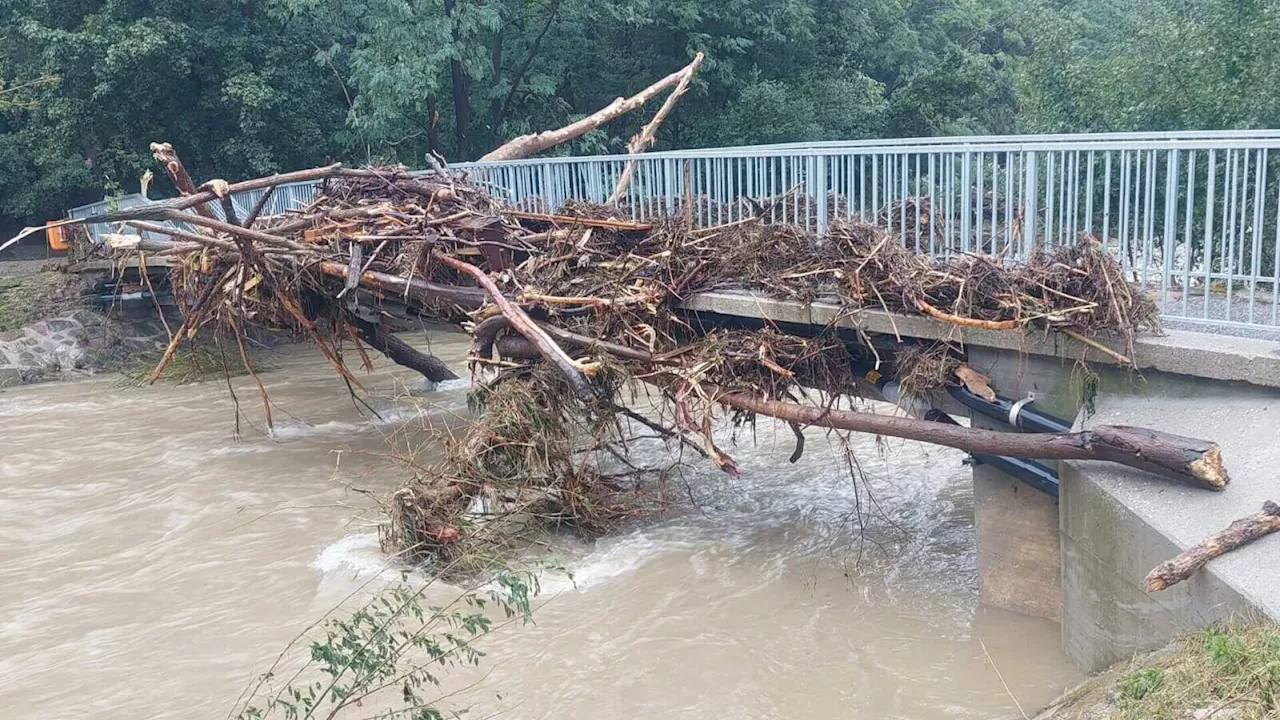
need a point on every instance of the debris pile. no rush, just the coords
(572, 312)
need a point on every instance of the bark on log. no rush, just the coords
(421, 290)
(1191, 461)
(527, 145)
(1187, 460)
(1240, 532)
(401, 352)
(155, 210)
(168, 157)
(252, 217)
(486, 334)
(184, 234)
(234, 230)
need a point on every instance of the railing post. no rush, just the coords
(820, 189)
(1031, 192)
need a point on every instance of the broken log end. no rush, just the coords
(1209, 470)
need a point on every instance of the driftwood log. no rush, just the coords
(1188, 460)
(649, 133)
(400, 352)
(527, 145)
(1240, 532)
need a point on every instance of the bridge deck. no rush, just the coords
(1183, 352)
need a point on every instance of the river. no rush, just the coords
(151, 563)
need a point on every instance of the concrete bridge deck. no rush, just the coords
(1082, 558)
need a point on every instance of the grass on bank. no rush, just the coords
(24, 299)
(1229, 671)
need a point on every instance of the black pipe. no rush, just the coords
(1025, 419)
(1037, 475)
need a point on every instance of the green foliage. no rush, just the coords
(1139, 683)
(247, 87)
(1230, 669)
(1151, 65)
(391, 653)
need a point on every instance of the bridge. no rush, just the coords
(1193, 218)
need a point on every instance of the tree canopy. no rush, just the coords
(253, 86)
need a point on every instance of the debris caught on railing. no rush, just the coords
(574, 311)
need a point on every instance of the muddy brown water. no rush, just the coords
(151, 563)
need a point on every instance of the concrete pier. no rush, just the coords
(1082, 558)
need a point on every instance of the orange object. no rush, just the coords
(56, 237)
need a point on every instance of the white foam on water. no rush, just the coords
(358, 555)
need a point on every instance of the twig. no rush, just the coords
(1002, 682)
(1118, 357)
(937, 314)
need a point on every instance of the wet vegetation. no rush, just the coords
(1228, 671)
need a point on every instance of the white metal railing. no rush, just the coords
(1192, 216)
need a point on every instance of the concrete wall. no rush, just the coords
(1082, 560)
(1117, 523)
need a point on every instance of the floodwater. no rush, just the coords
(151, 563)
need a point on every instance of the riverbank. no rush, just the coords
(1224, 672)
(48, 331)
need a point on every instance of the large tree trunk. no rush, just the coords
(495, 103)
(461, 95)
(1188, 460)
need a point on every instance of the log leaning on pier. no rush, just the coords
(1240, 532)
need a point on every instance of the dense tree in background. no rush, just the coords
(251, 86)
(1100, 65)
(236, 89)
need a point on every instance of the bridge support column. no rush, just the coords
(1019, 556)
(1019, 547)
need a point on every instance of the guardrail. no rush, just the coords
(1191, 216)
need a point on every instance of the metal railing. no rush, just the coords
(1192, 216)
(285, 198)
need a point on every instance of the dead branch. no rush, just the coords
(1188, 460)
(525, 325)
(527, 145)
(648, 134)
(937, 314)
(420, 290)
(401, 352)
(168, 157)
(1241, 532)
